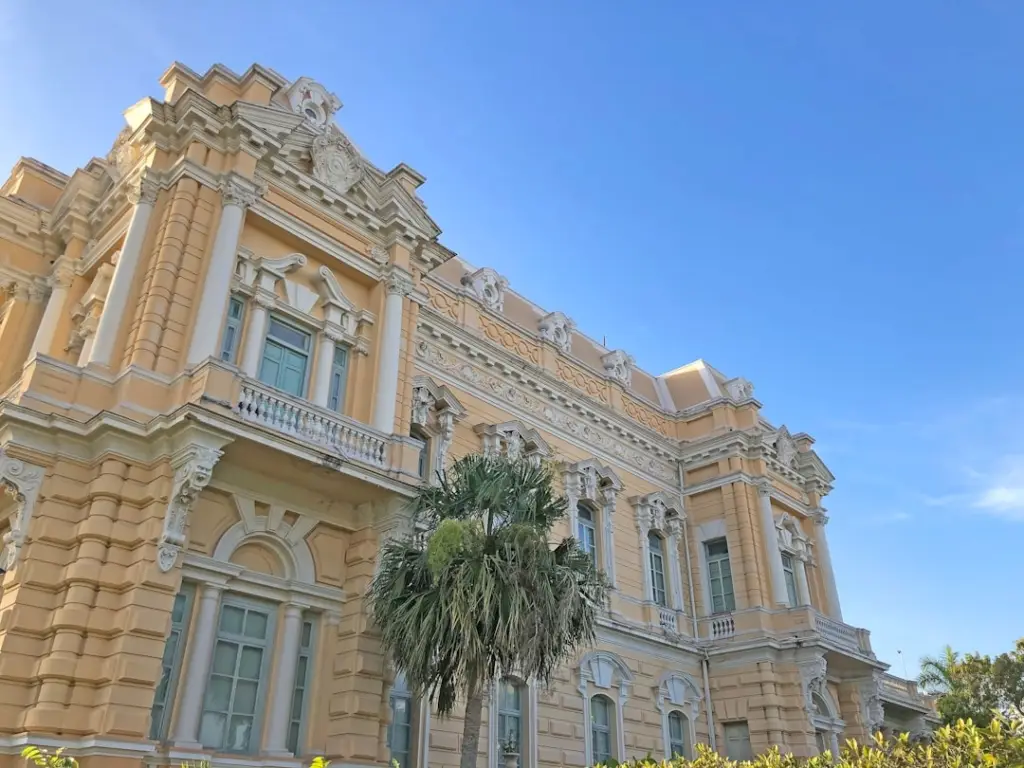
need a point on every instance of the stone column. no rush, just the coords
(609, 496)
(255, 334)
(238, 194)
(186, 729)
(324, 365)
(803, 594)
(673, 528)
(143, 196)
(279, 716)
(771, 544)
(399, 285)
(59, 281)
(820, 520)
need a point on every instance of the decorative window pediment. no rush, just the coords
(591, 483)
(435, 410)
(791, 536)
(313, 101)
(512, 439)
(606, 671)
(657, 512)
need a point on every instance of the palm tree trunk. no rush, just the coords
(471, 726)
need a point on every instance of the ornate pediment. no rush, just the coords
(313, 102)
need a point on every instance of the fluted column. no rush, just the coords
(237, 195)
(279, 716)
(186, 729)
(771, 544)
(398, 284)
(143, 196)
(255, 334)
(820, 520)
(59, 282)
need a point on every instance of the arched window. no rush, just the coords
(510, 717)
(602, 732)
(586, 531)
(657, 554)
(678, 734)
(400, 728)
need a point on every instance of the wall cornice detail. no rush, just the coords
(531, 399)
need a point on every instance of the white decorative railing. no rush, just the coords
(843, 635)
(721, 627)
(667, 619)
(309, 423)
(905, 690)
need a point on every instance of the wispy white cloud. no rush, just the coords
(1002, 493)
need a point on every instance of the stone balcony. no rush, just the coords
(803, 621)
(220, 394)
(905, 693)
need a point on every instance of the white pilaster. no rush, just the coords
(398, 285)
(324, 364)
(143, 196)
(608, 520)
(59, 282)
(803, 594)
(771, 544)
(825, 562)
(279, 716)
(186, 729)
(255, 333)
(237, 195)
(675, 572)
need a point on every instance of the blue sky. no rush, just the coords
(824, 198)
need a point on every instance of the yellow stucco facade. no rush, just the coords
(232, 348)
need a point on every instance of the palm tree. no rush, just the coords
(488, 594)
(939, 674)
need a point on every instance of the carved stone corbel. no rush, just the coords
(22, 481)
(193, 468)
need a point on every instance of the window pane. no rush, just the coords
(218, 693)
(231, 619)
(584, 513)
(307, 633)
(599, 711)
(249, 666)
(293, 337)
(675, 726)
(238, 734)
(211, 729)
(245, 697)
(224, 658)
(256, 625)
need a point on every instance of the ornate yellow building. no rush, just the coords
(230, 351)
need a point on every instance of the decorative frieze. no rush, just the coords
(551, 412)
(488, 287)
(512, 439)
(510, 340)
(193, 468)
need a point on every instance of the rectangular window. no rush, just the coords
(400, 729)
(586, 532)
(339, 377)
(737, 741)
(510, 717)
(423, 466)
(601, 728)
(720, 576)
(788, 574)
(170, 668)
(285, 358)
(233, 704)
(232, 330)
(657, 553)
(300, 696)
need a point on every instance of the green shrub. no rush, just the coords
(964, 745)
(57, 759)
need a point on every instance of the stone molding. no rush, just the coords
(813, 679)
(487, 287)
(20, 480)
(336, 162)
(618, 366)
(557, 329)
(872, 706)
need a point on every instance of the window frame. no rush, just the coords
(307, 652)
(273, 317)
(789, 577)
(229, 352)
(659, 592)
(728, 598)
(684, 734)
(522, 693)
(609, 729)
(337, 392)
(259, 713)
(590, 525)
(160, 732)
(748, 752)
(401, 693)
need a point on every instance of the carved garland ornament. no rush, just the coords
(335, 161)
(871, 702)
(21, 481)
(192, 473)
(813, 678)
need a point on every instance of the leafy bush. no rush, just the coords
(58, 759)
(1000, 744)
